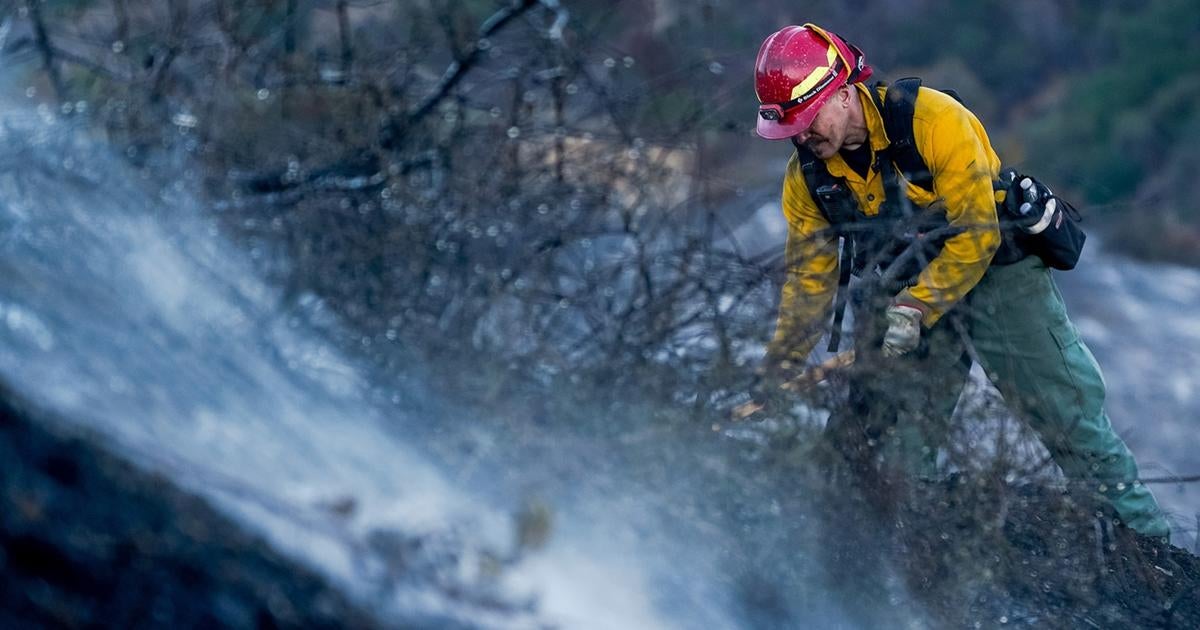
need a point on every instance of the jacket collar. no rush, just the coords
(876, 135)
(875, 130)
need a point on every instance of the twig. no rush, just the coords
(159, 76)
(344, 34)
(806, 379)
(561, 15)
(1175, 479)
(47, 50)
(458, 69)
(121, 12)
(454, 73)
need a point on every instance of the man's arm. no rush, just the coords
(811, 260)
(958, 152)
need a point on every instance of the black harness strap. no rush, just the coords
(823, 187)
(897, 110)
(839, 302)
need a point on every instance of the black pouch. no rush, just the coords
(1049, 229)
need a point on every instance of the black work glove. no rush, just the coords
(1029, 204)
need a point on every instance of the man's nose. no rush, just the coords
(803, 136)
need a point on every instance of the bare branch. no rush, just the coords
(1174, 479)
(179, 15)
(561, 15)
(46, 48)
(343, 20)
(458, 69)
(122, 14)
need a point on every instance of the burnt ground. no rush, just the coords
(88, 540)
(978, 554)
(1046, 558)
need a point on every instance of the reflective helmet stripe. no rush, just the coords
(816, 75)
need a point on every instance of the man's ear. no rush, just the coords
(844, 94)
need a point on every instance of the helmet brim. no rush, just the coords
(796, 121)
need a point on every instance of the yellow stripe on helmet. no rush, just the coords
(818, 73)
(829, 38)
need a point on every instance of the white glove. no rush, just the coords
(903, 332)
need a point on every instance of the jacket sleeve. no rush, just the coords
(964, 165)
(811, 260)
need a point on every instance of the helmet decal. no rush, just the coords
(817, 75)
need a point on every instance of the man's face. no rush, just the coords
(826, 135)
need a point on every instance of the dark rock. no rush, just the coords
(86, 539)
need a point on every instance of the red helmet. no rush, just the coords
(797, 70)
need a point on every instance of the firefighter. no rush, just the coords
(977, 291)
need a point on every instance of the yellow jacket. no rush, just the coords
(957, 152)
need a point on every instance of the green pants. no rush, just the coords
(1033, 354)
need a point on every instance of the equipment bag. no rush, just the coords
(1042, 223)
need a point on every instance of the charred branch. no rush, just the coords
(46, 49)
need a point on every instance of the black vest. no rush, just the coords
(900, 240)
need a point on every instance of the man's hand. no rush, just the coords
(1030, 203)
(1038, 207)
(765, 394)
(770, 379)
(903, 332)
